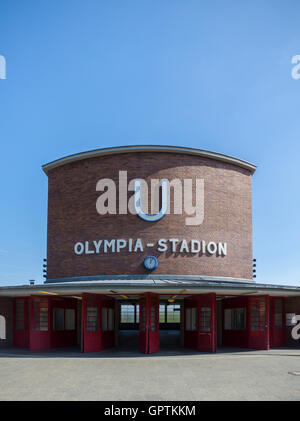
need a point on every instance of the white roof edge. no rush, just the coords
(148, 148)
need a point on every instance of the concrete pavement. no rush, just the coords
(178, 375)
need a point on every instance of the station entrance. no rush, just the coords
(253, 322)
(149, 322)
(155, 322)
(166, 333)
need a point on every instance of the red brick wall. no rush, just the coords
(72, 217)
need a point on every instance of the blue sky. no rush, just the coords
(211, 74)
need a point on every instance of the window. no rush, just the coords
(92, 319)
(2, 328)
(235, 319)
(40, 314)
(107, 319)
(127, 313)
(258, 315)
(173, 313)
(154, 315)
(143, 316)
(111, 319)
(278, 314)
(162, 313)
(255, 323)
(104, 319)
(19, 314)
(240, 319)
(58, 319)
(130, 313)
(169, 313)
(44, 318)
(205, 319)
(227, 319)
(194, 319)
(191, 319)
(63, 319)
(70, 319)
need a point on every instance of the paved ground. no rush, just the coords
(112, 375)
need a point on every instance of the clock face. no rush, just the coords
(150, 262)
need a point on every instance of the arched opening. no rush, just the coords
(2, 328)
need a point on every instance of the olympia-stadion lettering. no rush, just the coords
(131, 245)
(138, 205)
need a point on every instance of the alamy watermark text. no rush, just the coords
(2, 67)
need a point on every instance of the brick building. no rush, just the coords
(149, 247)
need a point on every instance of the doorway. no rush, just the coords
(128, 327)
(138, 324)
(170, 332)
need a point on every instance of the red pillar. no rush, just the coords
(258, 322)
(98, 323)
(200, 330)
(149, 323)
(39, 335)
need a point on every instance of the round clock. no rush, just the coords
(150, 262)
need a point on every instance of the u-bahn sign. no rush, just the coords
(188, 198)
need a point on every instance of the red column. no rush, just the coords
(200, 330)
(149, 323)
(258, 322)
(91, 328)
(207, 323)
(98, 327)
(40, 325)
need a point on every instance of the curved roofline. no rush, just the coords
(148, 148)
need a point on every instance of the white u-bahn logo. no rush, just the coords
(138, 201)
(187, 197)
